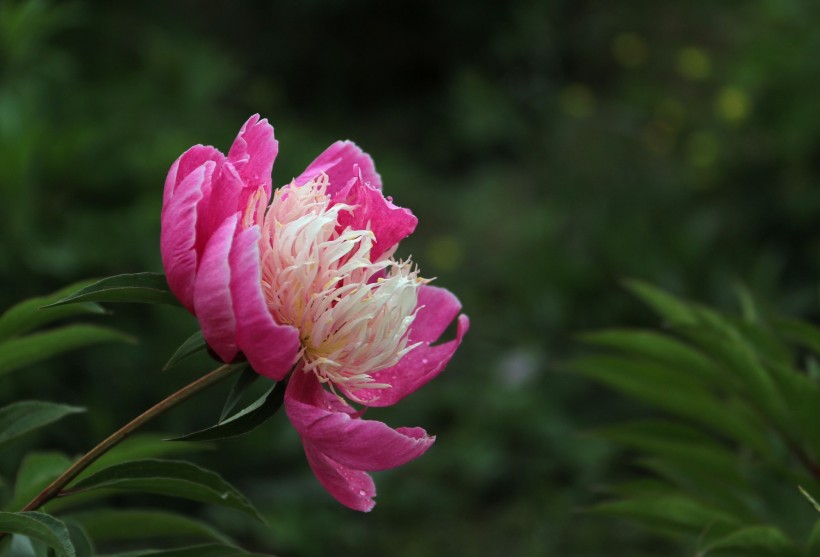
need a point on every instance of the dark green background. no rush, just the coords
(549, 149)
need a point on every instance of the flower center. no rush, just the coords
(353, 314)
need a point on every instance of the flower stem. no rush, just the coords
(55, 488)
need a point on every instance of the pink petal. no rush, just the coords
(354, 181)
(253, 152)
(213, 304)
(193, 158)
(389, 223)
(424, 362)
(342, 162)
(178, 233)
(352, 488)
(352, 442)
(270, 348)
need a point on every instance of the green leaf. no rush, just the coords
(147, 288)
(211, 550)
(193, 345)
(105, 525)
(18, 352)
(808, 496)
(763, 541)
(674, 514)
(39, 526)
(79, 538)
(35, 473)
(247, 378)
(20, 418)
(168, 477)
(667, 306)
(29, 315)
(244, 421)
(676, 392)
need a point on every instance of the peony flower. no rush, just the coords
(303, 281)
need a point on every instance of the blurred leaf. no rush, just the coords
(668, 513)
(35, 473)
(247, 378)
(803, 333)
(105, 525)
(751, 541)
(212, 550)
(148, 288)
(673, 391)
(30, 314)
(251, 417)
(660, 347)
(193, 345)
(39, 526)
(665, 305)
(19, 418)
(79, 538)
(808, 496)
(168, 477)
(27, 350)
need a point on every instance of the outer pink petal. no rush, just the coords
(213, 304)
(424, 362)
(389, 223)
(178, 233)
(352, 442)
(189, 160)
(342, 162)
(270, 348)
(352, 488)
(253, 152)
(354, 180)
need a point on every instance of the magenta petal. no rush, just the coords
(352, 488)
(342, 162)
(253, 152)
(353, 442)
(424, 362)
(191, 159)
(372, 211)
(270, 348)
(178, 233)
(213, 304)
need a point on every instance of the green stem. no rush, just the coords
(55, 488)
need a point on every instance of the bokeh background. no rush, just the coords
(550, 149)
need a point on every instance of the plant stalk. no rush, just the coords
(55, 488)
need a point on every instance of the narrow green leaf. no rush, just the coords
(801, 332)
(674, 391)
(168, 477)
(211, 550)
(668, 513)
(763, 541)
(22, 417)
(28, 315)
(106, 525)
(247, 378)
(814, 539)
(23, 351)
(79, 538)
(35, 473)
(141, 447)
(39, 526)
(193, 345)
(147, 288)
(808, 496)
(244, 421)
(667, 306)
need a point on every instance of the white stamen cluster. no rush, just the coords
(353, 314)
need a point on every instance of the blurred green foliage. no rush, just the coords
(548, 148)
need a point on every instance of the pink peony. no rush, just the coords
(306, 282)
